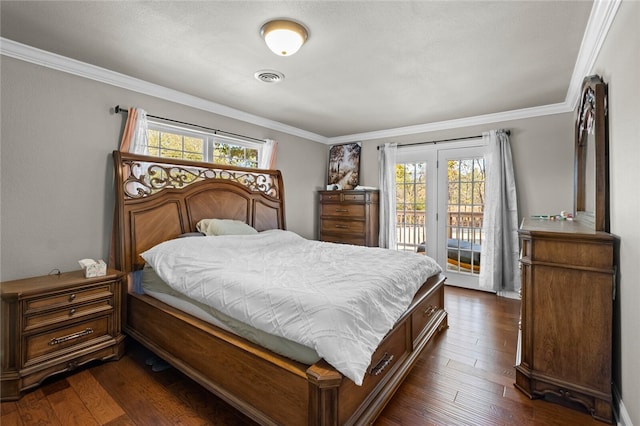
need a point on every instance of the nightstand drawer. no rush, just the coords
(65, 337)
(66, 298)
(343, 210)
(72, 312)
(337, 225)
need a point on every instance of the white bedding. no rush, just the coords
(153, 286)
(340, 300)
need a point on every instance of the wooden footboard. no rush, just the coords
(274, 390)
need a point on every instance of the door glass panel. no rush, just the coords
(465, 209)
(411, 203)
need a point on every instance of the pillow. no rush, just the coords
(224, 227)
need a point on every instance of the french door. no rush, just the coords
(440, 205)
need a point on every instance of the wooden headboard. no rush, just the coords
(158, 199)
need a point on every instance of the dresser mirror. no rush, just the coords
(591, 173)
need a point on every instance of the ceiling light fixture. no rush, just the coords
(284, 37)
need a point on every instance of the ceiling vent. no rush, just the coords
(269, 76)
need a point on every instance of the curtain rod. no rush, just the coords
(508, 132)
(119, 110)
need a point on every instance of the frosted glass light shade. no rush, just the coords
(283, 37)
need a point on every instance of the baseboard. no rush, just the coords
(622, 414)
(509, 294)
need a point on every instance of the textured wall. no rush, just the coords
(56, 172)
(619, 65)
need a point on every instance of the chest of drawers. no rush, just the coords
(568, 283)
(55, 323)
(349, 217)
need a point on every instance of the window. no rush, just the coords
(170, 141)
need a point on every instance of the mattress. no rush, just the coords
(153, 286)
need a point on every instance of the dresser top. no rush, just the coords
(532, 225)
(349, 191)
(33, 285)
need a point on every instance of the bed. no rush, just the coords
(159, 200)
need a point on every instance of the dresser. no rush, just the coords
(349, 217)
(565, 339)
(55, 323)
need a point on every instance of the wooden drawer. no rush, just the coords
(345, 239)
(386, 358)
(573, 253)
(64, 299)
(425, 312)
(38, 345)
(343, 210)
(346, 226)
(340, 196)
(385, 361)
(72, 312)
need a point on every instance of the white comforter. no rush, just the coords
(338, 299)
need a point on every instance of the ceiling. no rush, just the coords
(368, 66)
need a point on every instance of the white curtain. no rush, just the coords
(500, 248)
(134, 137)
(387, 168)
(268, 155)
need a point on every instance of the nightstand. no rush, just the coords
(55, 323)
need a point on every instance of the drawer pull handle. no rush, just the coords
(342, 226)
(72, 311)
(381, 365)
(342, 210)
(79, 334)
(72, 298)
(430, 310)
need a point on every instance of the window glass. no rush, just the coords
(170, 141)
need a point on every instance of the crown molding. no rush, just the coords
(600, 20)
(456, 124)
(54, 61)
(602, 14)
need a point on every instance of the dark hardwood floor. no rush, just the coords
(466, 378)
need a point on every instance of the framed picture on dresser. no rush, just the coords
(344, 166)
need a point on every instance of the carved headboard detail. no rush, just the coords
(158, 199)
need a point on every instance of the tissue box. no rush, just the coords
(93, 268)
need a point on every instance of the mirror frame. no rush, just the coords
(592, 117)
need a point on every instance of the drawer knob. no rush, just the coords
(72, 311)
(72, 297)
(430, 310)
(79, 334)
(381, 365)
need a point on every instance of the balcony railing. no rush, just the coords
(411, 229)
(464, 238)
